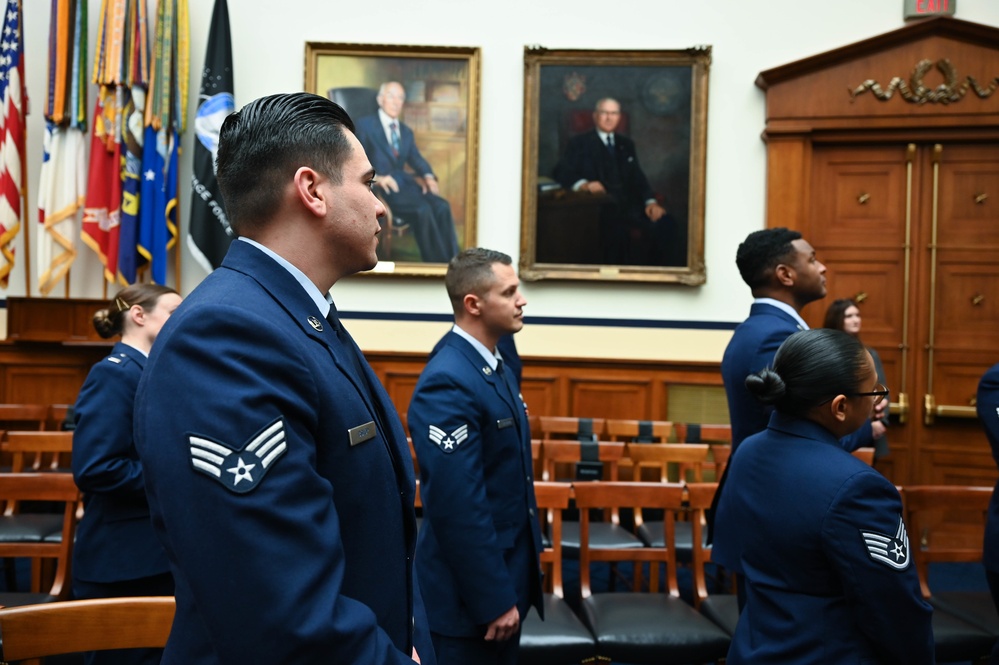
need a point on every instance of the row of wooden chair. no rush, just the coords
(965, 623)
(36, 417)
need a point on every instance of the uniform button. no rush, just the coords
(531, 511)
(528, 479)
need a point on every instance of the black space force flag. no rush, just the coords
(209, 232)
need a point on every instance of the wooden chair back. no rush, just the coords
(50, 629)
(944, 523)
(720, 454)
(699, 497)
(23, 416)
(552, 499)
(57, 415)
(613, 496)
(710, 434)
(628, 430)
(698, 433)
(567, 427)
(558, 451)
(56, 487)
(865, 455)
(34, 452)
(687, 456)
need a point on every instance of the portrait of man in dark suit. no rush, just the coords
(604, 163)
(614, 165)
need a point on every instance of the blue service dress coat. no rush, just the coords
(819, 539)
(753, 347)
(115, 541)
(282, 493)
(429, 214)
(477, 553)
(988, 413)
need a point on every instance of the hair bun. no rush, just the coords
(766, 385)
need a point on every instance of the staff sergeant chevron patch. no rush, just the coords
(893, 551)
(448, 442)
(239, 469)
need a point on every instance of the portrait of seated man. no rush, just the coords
(634, 227)
(405, 178)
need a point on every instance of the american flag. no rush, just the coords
(12, 98)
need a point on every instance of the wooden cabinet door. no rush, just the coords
(911, 232)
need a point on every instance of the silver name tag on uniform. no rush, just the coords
(504, 423)
(362, 433)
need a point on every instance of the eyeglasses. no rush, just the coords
(880, 392)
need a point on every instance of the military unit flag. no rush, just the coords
(209, 235)
(62, 183)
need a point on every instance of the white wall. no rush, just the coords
(746, 38)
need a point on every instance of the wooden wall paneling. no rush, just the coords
(541, 391)
(621, 395)
(788, 163)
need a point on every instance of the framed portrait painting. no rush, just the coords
(416, 112)
(614, 165)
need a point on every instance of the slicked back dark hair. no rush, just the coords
(471, 271)
(761, 252)
(264, 143)
(811, 367)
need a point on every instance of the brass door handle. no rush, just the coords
(980, 198)
(865, 197)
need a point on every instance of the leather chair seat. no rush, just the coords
(975, 607)
(958, 640)
(652, 628)
(17, 599)
(723, 610)
(604, 535)
(30, 527)
(561, 639)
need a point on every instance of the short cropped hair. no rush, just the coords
(761, 252)
(471, 271)
(264, 143)
(811, 367)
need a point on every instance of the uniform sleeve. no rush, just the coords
(104, 457)
(865, 539)
(988, 408)
(265, 565)
(454, 495)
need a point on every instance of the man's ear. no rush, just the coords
(306, 188)
(838, 407)
(472, 304)
(784, 274)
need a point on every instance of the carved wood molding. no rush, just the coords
(916, 92)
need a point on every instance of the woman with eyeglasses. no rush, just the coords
(844, 314)
(816, 534)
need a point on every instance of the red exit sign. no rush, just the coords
(926, 8)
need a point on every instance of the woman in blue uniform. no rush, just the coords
(116, 552)
(817, 535)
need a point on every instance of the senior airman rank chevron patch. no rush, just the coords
(448, 442)
(893, 551)
(239, 469)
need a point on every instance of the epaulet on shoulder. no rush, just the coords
(117, 359)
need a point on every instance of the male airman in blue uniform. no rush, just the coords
(277, 469)
(477, 553)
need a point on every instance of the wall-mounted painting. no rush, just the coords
(416, 112)
(614, 165)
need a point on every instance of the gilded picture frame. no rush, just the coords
(438, 88)
(631, 210)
